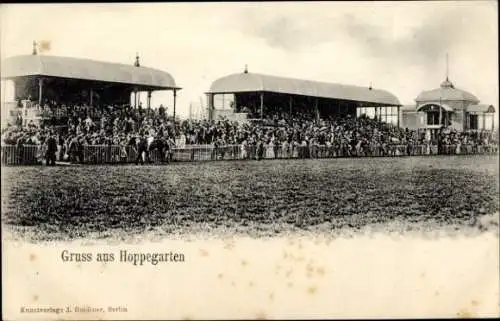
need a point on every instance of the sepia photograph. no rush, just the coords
(250, 160)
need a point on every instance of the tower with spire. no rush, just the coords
(447, 83)
(246, 69)
(457, 108)
(34, 48)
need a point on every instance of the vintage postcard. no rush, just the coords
(249, 160)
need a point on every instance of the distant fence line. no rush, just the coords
(114, 154)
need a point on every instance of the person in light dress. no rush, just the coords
(285, 147)
(270, 149)
(181, 142)
(244, 150)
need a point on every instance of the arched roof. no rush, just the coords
(447, 91)
(251, 82)
(86, 69)
(433, 106)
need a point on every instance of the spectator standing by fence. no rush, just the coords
(51, 150)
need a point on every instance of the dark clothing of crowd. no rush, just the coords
(142, 128)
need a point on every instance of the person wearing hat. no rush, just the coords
(142, 147)
(260, 149)
(74, 148)
(51, 150)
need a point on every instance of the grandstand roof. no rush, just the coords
(251, 82)
(447, 91)
(86, 69)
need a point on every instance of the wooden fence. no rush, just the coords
(112, 154)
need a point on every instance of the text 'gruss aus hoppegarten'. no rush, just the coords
(124, 256)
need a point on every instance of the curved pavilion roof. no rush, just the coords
(447, 91)
(251, 82)
(86, 69)
(434, 106)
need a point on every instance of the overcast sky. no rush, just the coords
(396, 46)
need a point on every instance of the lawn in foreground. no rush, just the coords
(251, 197)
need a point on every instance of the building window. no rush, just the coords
(473, 122)
(432, 118)
(384, 114)
(367, 111)
(489, 121)
(223, 101)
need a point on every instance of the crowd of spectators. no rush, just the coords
(123, 126)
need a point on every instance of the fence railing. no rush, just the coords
(114, 154)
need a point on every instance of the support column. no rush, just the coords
(90, 97)
(398, 116)
(316, 109)
(15, 89)
(440, 114)
(261, 105)
(149, 99)
(209, 107)
(386, 114)
(291, 105)
(484, 122)
(40, 92)
(175, 98)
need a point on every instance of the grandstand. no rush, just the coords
(48, 81)
(82, 107)
(251, 95)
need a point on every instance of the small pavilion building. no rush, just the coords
(448, 107)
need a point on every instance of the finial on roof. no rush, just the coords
(447, 83)
(246, 69)
(137, 64)
(34, 48)
(447, 67)
(370, 88)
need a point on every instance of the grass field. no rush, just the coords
(254, 198)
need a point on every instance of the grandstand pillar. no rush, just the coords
(398, 116)
(261, 105)
(386, 114)
(316, 110)
(210, 106)
(440, 115)
(40, 91)
(90, 94)
(291, 104)
(175, 98)
(149, 99)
